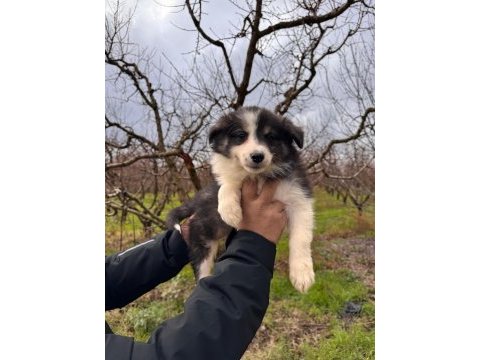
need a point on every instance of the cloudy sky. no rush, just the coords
(163, 25)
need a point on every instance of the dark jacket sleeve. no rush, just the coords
(132, 273)
(221, 316)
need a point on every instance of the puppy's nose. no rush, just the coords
(257, 158)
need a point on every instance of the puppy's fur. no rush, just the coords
(256, 143)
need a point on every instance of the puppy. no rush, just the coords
(256, 143)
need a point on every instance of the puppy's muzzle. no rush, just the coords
(257, 158)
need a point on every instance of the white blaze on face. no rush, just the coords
(244, 151)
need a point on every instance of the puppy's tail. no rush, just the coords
(178, 214)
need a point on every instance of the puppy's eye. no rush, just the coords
(239, 135)
(271, 136)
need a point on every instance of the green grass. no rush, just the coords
(335, 219)
(143, 320)
(296, 326)
(332, 289)
(356, 343)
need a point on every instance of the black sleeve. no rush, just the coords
(132, 273)
(221, 316)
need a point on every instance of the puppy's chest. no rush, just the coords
(290, 193)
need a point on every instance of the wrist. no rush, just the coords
(254, 243)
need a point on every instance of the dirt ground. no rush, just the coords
(355, 254)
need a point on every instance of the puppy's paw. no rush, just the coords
(230, 212)
(302, 275)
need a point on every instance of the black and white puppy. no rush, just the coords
(256, 143)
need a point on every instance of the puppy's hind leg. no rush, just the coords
(300, 223)
(197, 252)
(203, 246)
(206, 265)
(202, 258)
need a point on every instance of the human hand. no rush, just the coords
(185, 229)
(262, 214)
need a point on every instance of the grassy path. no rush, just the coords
(334, 320)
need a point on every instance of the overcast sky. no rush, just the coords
(157, 23)
(160, 25)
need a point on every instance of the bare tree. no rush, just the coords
(273, 55)
(346, 163)
(286, 46)
(283, 46)
(160, 145)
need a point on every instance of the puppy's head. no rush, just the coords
(258, 139)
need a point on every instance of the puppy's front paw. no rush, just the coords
(302, 275)
(231, 213)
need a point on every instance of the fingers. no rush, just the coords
(261, 213)
(249, 189)
(185, 229)
(277, 206)
(268, 190)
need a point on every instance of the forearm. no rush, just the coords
(224, 311)
(135, 271)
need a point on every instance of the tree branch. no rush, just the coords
(133, 160)
(308, 20)
(344, 140)
(242, 90)
(212, 41)
(130, 133)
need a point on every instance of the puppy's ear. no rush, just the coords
(219, 128)
(295, 132)
(212, 134)
(216, 131)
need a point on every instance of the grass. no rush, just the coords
(296, 326)
(353, 344)
(333, 218)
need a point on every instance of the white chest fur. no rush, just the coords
(299, 207)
